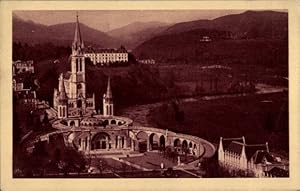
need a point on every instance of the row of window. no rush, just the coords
(79, 63)
(109, 110)
(103, 54)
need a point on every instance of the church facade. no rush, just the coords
(71, 98)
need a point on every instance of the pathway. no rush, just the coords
(131, 164)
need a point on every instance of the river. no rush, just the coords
(139, 113)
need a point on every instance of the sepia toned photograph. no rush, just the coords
(150, 94)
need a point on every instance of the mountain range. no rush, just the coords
(252, 24)
(250, 37)
(60, 34)
(143, 37)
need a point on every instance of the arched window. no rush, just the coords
(76, 64)
(60, 111)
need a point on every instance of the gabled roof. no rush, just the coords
(235, 147)
(227, 141)
(252, 149)
(259, 156)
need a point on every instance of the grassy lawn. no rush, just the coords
(151, 161)
(259, 118)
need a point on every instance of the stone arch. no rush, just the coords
(120, 123)
(177, 143)
(184, 144)
(100, 141)
(142, 138)
(72, 123)
(113, 122)
(162, 142)
(105, 122)
(142, 135)
(190, 145)
(153, 141)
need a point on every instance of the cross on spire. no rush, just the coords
(77, 42)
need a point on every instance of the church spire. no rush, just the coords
(61, 88)
(108, 90)
(77, 42)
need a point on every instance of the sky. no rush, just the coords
(109, 19)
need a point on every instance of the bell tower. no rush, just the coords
(78, 83)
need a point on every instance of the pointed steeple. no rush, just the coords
(77, 42)
(61, 88)
(108, 90)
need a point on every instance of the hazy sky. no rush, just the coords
(108, 20)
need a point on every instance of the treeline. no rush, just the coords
(38, 52)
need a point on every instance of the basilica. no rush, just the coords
(92, 132)
(71, 98)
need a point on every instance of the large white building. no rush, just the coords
(107, 56)
(234, 153)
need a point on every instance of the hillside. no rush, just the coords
(250, 38)
(250, 24)
(186, 48)
(32, 33)
(135, 33)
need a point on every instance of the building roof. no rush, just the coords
(235, 147)
(122, 49)
(227, 141)
(257, 151)
(259, 156)
(252, 149)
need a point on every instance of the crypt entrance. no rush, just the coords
(100, 141)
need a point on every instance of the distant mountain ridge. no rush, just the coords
(60, 34)
(135, 33)
(251, 24)
(247, 25)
